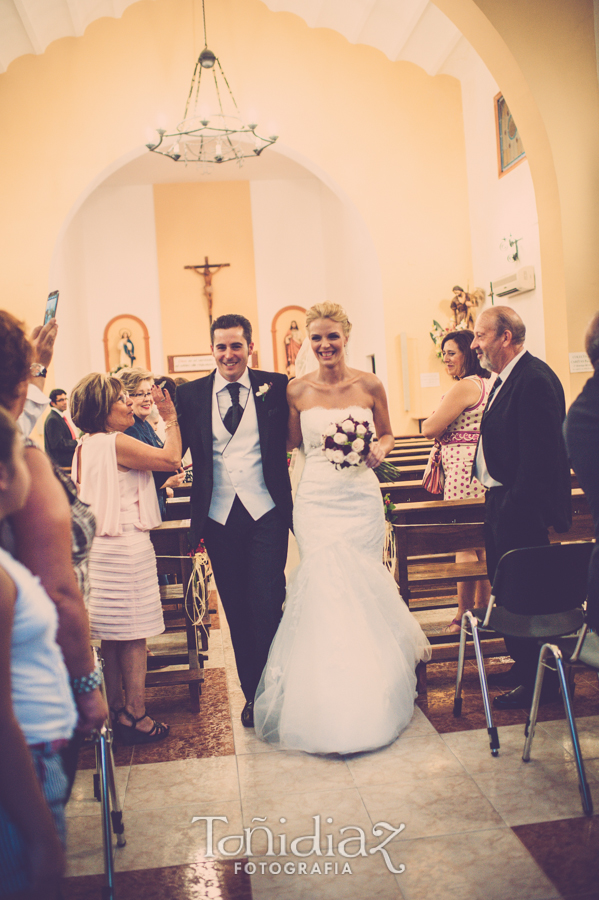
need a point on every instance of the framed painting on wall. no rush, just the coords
(510, 149)
(288, 333)
(126, 343)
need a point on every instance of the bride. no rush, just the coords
(340, 676)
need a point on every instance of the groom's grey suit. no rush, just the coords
(241, 507)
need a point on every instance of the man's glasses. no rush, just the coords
(142, 395)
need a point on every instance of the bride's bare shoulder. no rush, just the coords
(367, 380)
(299, 388)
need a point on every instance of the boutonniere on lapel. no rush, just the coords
(263, 390)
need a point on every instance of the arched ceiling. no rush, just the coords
(412, 30)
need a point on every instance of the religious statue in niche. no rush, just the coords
(292, 341)
(127, 350)
(463, 304)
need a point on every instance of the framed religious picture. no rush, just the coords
(510, 149)
(126, 343)
(288, 333)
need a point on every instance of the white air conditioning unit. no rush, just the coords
(518, 283)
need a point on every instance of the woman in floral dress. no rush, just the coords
(456, 424)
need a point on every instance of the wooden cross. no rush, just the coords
(206, 274)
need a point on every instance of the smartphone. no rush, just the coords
(51, 304)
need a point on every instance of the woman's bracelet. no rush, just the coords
(83, 684)
(171, 424)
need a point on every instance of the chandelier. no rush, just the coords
(210, 138)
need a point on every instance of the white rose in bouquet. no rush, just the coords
(361, 429)
(348, 426)
(353, 458)
(330, 429)
(338, 456)
(339, 438)
(329, 454)
(358, 445)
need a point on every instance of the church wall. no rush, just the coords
(542, 53)
(383, 131)
(108, 267)
(193, 221)
(499, 206)
(288, 242)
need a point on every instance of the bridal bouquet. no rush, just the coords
(347, 443)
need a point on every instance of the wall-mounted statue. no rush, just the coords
(293, 341)
(463, 304)
(127, 349)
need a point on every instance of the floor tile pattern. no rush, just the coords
(211, 812)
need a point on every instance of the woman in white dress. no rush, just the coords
(114, 474)
(340, 676)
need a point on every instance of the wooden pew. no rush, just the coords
(172, 558)
(429, 529)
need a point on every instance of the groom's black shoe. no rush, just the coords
(247, 716)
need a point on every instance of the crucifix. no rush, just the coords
(207, 275)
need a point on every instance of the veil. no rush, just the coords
(305, 362)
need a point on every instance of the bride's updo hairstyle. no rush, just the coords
(332, 311)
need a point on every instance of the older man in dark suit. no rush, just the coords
(235, 423)
(59, 434)
(521, 460)
(582, 438)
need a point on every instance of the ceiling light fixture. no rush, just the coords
(210, 138)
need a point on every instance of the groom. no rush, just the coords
(234, 421)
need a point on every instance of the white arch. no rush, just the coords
(347, 270)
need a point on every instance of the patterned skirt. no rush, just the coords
(457, 466)
(125, 602)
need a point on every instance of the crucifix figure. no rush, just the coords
(207, 274)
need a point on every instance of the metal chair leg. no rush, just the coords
(583, 787)
(457, 700)
(491, 729)
(531, 722)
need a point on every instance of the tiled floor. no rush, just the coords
(475, 826)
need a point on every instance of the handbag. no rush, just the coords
(433, 479)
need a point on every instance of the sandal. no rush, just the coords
(457, 622)
(130, 734)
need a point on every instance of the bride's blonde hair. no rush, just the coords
(328, 310)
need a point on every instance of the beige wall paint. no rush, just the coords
(194, 221)
(542, 54)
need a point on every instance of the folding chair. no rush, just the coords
(537, 592)
(574, 652)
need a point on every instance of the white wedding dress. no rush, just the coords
(340, 673)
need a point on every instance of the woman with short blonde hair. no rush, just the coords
(132, 378)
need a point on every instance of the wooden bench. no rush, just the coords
(407, 491)
(170, 540)
(426, 532)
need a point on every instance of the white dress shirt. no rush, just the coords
(223, 395)
(35, 404)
